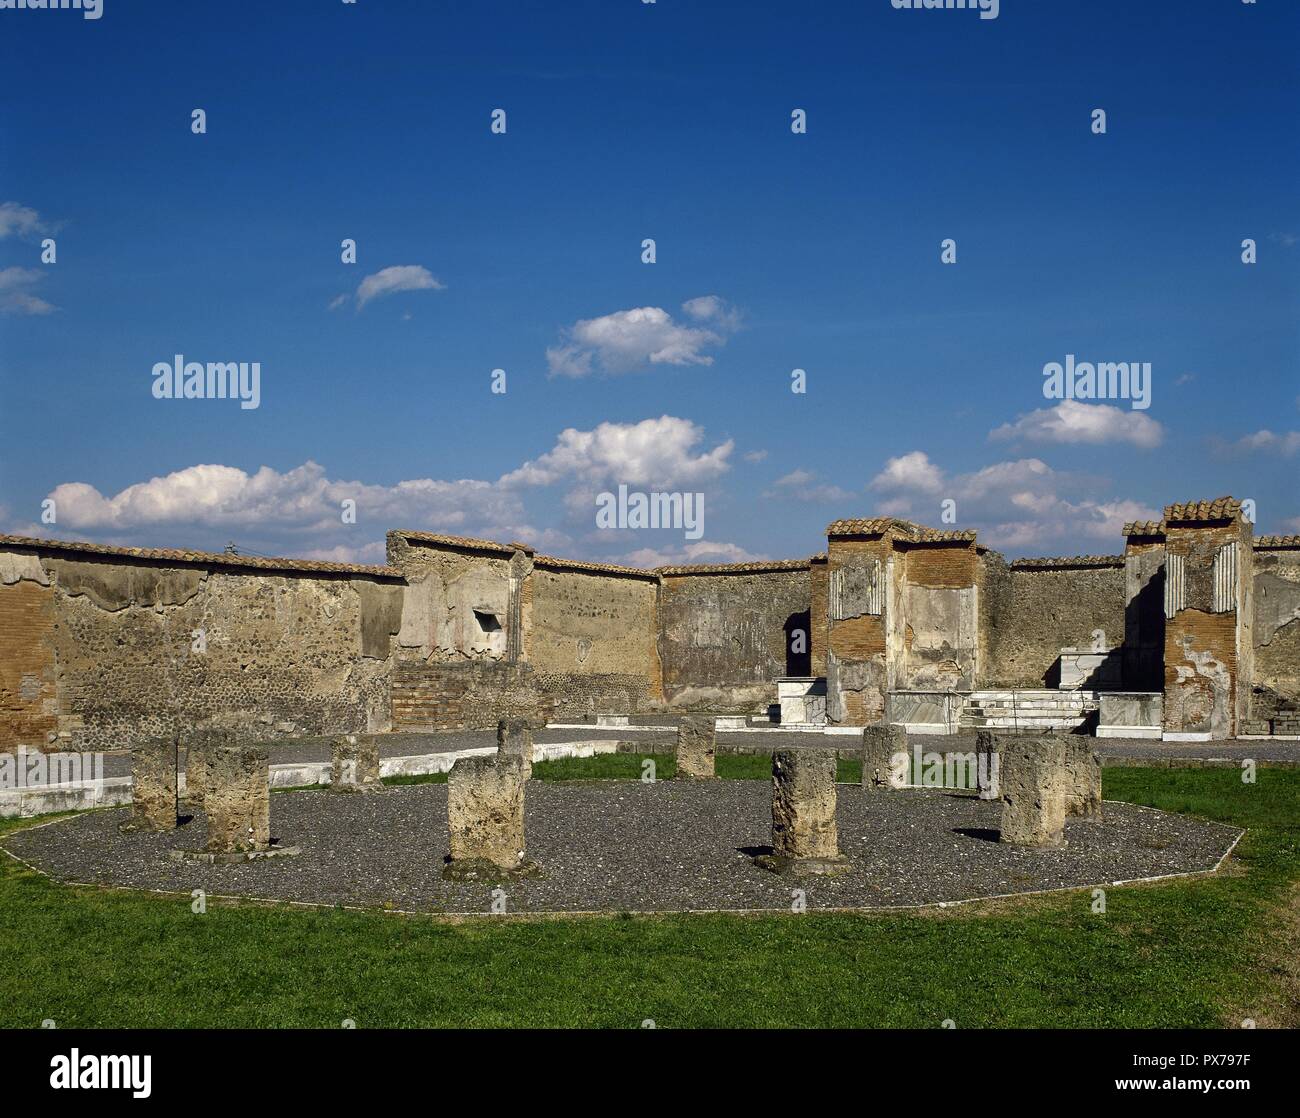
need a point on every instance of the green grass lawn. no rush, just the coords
(1199, 953)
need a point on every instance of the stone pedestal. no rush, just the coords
(1081, 778)
(696, 744)
(987, 763)
(153, 787)
(515, 739)
(881, 743)
(485, 819)
(805, 837)
(1034, 791)
(237, 800)
(199, 746)
(355, 764)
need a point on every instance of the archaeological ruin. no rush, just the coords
(1193, 633)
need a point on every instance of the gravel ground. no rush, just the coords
(627, 846)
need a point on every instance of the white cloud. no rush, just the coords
(692, 554)
(654, 453)
(803, 485)
(1073, 422)
(1022, 504)
(756, 456)
(15, 292)
(20, 221)
(909, 471)
(627, 340)
(1285, 444)
(389, 281)
(298, 512)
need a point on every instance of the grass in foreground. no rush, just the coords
(1190, 954)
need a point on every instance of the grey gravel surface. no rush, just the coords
(627, 846)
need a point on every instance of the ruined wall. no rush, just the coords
(1043, 607)
(860, 582)
(727, 636)
(589, 636)
(940, 617)
(102, 650)
(1276, 631)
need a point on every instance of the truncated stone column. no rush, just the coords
(153, 787)
(485, 819)
(987, 764)
(356, 764)
(1081, 776)
(238, 800)
(515, 739)
(805, 837)
(199, 747)
(696, 748)
(1034, 792)
(881, 743)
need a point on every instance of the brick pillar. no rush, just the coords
(1208, 608)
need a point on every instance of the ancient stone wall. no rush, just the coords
(1038, 607)
(589, 635)
(726, 637)
(1277, 629)
(939, 617)
(103, 648)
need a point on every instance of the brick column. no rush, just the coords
(1208, 608)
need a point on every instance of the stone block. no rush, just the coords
(515, 739)
(881, 743)
(199, 746)
(355, 764)
(485, 819)
(805, 836)
(153, 786)
(1081, 778)
(1034, 792)
(237, 800)
(987, 763)
(696, 743)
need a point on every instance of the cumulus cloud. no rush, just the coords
(804, 485)
(628, 340)
(19, 221)
(654, 453)
(1020, 504)
(16, 292)
(756, 456)
(1073, 422)
(298, 511)
(390, 281)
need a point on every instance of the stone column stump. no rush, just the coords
(199, 746)
(1082, 775)
(355, 764)
(485, 819)
(1033, 791)
(805, 837)
(696, 747)
(237, 800)
(880, 743)
(153, 787)
(987, 763)
(515, 739)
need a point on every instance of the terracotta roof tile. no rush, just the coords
(552, 562)
(755, 567)
(1222, 508)
(201, 558)
(1266, 542)
(1144, 528)
(870, 526)
(461, 541)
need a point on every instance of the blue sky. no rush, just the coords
(522, 251)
